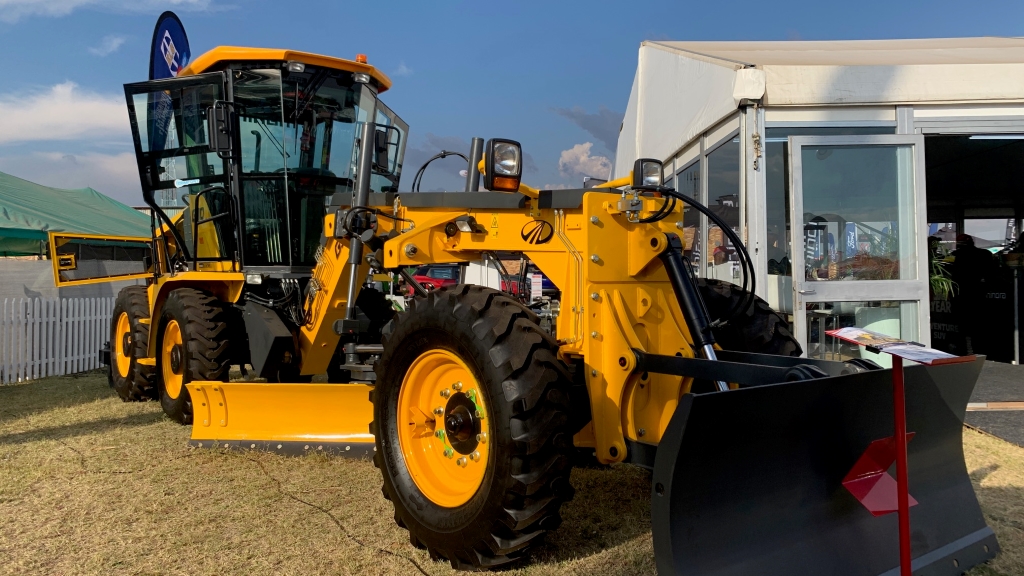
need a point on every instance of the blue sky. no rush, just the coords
(553, 75)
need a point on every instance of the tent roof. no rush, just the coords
(682, 89)
(28, 211)
(986, 50)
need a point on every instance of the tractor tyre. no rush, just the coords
(194, 345)
(472, 426)
(129, 337)
(757, 329)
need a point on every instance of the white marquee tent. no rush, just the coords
(682, 89)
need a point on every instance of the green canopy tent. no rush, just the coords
(29, 211)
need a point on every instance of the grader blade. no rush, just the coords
(283, 418)
(751, 481)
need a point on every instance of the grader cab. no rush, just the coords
(475, 403)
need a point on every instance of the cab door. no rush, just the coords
(178, 170)
(90, 259)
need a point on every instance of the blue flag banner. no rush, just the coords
(169, 53)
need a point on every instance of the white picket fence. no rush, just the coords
(42, 337)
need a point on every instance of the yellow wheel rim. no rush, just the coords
(172, 360)
(443, 428)
(122, 345)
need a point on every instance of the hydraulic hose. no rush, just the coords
(746, 264)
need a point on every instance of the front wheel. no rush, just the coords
(194, 345)
(472, 427)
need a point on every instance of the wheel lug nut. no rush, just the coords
(457, 386)
(446, 393)
(448, 452)
(439, 434)
(479, 414)
(439, 410)
(475, 456)
(482, 438)
(461, 461)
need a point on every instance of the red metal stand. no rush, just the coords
(902, 483)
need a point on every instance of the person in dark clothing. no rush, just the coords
(972, 266)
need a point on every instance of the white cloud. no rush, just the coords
(555, 187)
(108, 45)
(14, 10)
(577, 162)
(115, 175)
(64, 112)
(403, 70)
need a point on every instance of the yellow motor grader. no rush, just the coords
(474, 402)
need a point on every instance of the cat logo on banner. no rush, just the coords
(537, 232)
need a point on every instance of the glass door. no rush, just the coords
(859, 239)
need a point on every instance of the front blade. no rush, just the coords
(283, 418)
(750, 481)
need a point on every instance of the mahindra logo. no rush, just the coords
(537, 232)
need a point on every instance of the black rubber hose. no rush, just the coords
(745, 261)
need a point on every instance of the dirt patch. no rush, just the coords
(89, 484)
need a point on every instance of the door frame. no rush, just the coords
(805, 292)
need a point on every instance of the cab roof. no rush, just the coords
(222, 54)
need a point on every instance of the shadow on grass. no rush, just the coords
(1002, 505)
(612, 506)
(43, 395)
(81, 428)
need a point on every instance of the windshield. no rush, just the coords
(321, 114)
(299, 138)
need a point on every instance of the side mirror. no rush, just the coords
(648, 174)
(382, 145)
(503, 160)
(220, 128)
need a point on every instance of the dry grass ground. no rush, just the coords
(90, 485)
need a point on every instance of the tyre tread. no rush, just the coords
(535, 389)
(141, 384)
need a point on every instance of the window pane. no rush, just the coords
(723, 200)
(158, 127)
(990, 233)
(258, 98)
(858, 220)
(261, 128)
(92, 258)
(776, 163)
(264, 202)
(892, 318)
(688, 183)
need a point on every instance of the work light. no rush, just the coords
(648, 173)
(504, 162)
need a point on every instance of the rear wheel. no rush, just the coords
(129, 337)
(472, 427)
(757, 329)
(193, 346)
